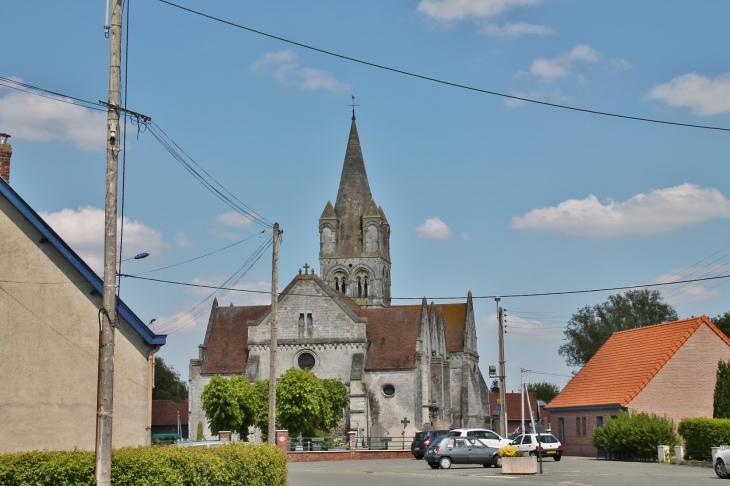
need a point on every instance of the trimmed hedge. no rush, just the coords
(230, 464)
(634, 436)
(701, 434)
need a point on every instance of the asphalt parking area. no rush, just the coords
(571, 471)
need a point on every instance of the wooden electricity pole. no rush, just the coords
(502, 378)
(103, 452)
(271, 433)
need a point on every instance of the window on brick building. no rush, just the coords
(561, 426)
(577, 426)
(599, 421)
(585, 431)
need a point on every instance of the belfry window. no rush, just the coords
(359, 287)
(301, 320)
(366, 287)
(309, 320)
(337, 284)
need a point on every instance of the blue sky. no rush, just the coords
(482, 194)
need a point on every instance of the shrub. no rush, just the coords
(701, 434)
(230, 464)
(635, 436)
(509, 451)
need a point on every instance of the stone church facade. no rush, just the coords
(407, 366)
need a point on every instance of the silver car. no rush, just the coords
(461, 450)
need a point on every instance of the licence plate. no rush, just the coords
(551, 452)
(416, 448)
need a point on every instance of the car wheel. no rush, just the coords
(419, 457)
(497, 461)
(486, 465)
(445, 463)
(556, 458)
(434, 465)
(720, 469)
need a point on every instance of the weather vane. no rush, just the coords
(353, 106)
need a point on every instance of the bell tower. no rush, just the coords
(354, 235)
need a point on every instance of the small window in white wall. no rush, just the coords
(388, 390)
(309, 320)
(306, 361)
(301, 320)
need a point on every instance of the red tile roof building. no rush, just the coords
(668, 369)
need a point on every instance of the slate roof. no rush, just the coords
(626, 363)
(79, 265)
(226, 341)
(393, 333)
(164, 412)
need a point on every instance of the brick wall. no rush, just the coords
(6, 151)
(575, 439)
(685, 385)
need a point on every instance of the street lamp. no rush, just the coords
(139, 256)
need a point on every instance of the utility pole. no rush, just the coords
(103, 452)
(274, 343)
(502, 380)
(522, 399)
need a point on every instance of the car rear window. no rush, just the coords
(454, 433)
(548, 439)
(440, 433)
(421, 435)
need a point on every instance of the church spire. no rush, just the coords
(354, 192)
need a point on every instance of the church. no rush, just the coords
(407, 367)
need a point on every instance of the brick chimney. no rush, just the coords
(6, 150)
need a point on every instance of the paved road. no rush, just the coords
(571, 471)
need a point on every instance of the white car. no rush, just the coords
(531, 443)
(485, 436)
(721, 460)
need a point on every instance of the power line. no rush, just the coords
(17, 84)
(440, 81)
(444, 298)
(201, 256)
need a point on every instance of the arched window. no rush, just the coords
(359, 287)
(366, 287)
(339, 280)
(337, 284)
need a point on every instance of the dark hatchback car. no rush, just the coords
(424, 439)
(461, 450)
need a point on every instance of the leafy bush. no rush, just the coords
(509, 451)
(231, 464)
(701, 434)
(635, 436)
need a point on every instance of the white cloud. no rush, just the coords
(620, 64)
(517, 29)
(454, 10)
(83, 231)
(30, 117)
(233, 219)
(659, 211)
(703, 95)
(521, 329)
(287, 71)
(434, 229)
(562, 66)
(182, 241)
(690, 292)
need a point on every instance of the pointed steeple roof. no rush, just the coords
(354, 191)
(329, 212)
(371, 210)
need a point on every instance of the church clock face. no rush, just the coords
(306, 361)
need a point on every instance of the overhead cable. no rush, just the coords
(441, 81)
(504, 296)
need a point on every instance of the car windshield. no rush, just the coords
(421, 436)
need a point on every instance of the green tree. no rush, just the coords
(590, 327)
(222, 405)
(495, 386)
(543, 390)
(723, 323)
(168, 385)
(259, 404)
(300, 405)
(199, 432)
(336, 399)
(721, 401)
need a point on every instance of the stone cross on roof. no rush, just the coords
(405, 422)
(306, 269)
(353, 106)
